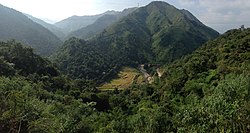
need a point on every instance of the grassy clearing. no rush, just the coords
(125, 78)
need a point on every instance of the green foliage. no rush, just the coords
(23, 60)
(22, 109)
(215, 90)
(79, 59)
(157, 33)
(6, 68)
(206, 91)
(225, 109)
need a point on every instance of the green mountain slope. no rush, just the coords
(156, 33)
(175, 32)
(230, 53)
(15, 25)
(57, 31)
(206, 91)
(99, 25)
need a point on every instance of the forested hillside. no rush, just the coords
(211, 86)
(157, 33)
(99, 85)
(15, 25)
(207, 91)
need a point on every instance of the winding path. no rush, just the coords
(146, 76)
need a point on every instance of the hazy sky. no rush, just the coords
(218, 14)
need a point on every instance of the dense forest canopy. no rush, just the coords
(203, 85)
(206, 91)
(157, 33)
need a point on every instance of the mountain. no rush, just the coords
(57, 31)
(206, 91)
(77, 22)
(99, 25)
(15, 25)
(157, 33)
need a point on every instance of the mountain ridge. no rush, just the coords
(75, 22)
(57, 31)
(200, 87)
(157, 33)
(206, 88)
(100, 24)
(16, 25)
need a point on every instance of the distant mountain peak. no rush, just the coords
(110, 12)
(15, 25)
(159, 4)
(109, 18)
(157, 33)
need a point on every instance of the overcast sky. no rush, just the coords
(218, 14)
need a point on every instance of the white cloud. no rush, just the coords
(220, 14)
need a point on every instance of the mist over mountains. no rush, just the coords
(57, 31)
(76, 22)
(100, 24)
(15, 25)
(45, 38)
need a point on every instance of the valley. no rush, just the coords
(125, 78)
(135, 39)
(148, 69)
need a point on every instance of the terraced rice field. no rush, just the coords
(126, 77)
